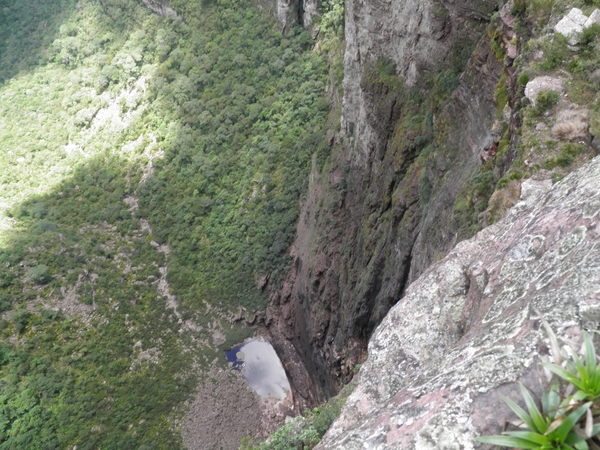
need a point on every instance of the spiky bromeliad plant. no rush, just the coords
(567, 424)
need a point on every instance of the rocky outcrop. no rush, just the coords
(292, 13)
(414, 36)
(572, 25)
(310, 9)
(160, 7)
(543, 83)
(366, 228)
(468, 329)
(288, 12)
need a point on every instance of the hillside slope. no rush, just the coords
(151, 167)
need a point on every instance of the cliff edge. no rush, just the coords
(468, 329)
(417, 106)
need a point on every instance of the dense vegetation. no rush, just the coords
(120, 131)
(305, 431)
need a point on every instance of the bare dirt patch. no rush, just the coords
(226, 410)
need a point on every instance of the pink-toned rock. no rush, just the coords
(467, 330)
(506, 16)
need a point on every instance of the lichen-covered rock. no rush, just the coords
(572, 25)
(467, 330)
(543, 83)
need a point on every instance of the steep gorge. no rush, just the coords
(415, 172)
(367, 228)
(189, 128)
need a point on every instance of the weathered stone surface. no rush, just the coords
(594, 18)
(543, 83)
(310, 9)
(412, 34)
(572, 25)
(292, 12)
(160, 7)
(466, 331)
(364, 230)
(287, 13)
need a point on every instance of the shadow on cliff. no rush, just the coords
(384, 209)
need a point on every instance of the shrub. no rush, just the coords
(523, 79)
(540, 8)
(546, 100)
(589, 35)
(303, 432)
(39, 274)
(556, 52)
(569, 416)
(20, 319)
(425, 187)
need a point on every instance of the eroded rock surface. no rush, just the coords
(291, 13)
(572, 25)
(365, 230)
(467, 330)
(413, 35)
(160, 7)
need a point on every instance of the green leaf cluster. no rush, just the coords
(566, 422)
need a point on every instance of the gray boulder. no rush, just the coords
(572, 25)
(468, 330)
(543, 83)
(594, 18)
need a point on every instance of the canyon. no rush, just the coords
(462, 331)
(400, 196)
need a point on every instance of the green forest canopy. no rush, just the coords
(201, 126)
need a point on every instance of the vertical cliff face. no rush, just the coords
(292, 13)
(382, 211)
(469, 328)
(415, 36)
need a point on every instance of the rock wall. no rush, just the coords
(468, 329)
(160, 7)
(292, 13)
(413, 34)
(364, 229)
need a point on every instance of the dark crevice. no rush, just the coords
(404, 277)
(300, 13)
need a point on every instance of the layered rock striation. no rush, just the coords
(468, 329)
